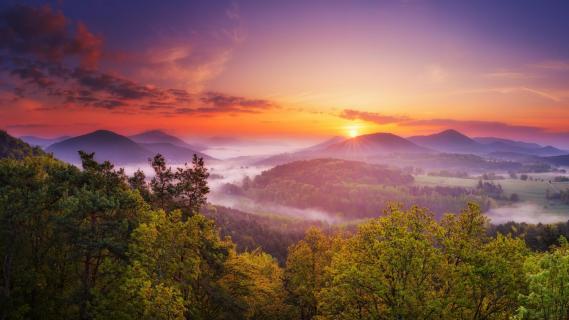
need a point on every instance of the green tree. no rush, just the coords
(483, 276)
(191, 187)
(138, 182)
(36, 272)
(390, 269)
(255, 280)
(186, 258)
(162, 184)
(548, 285)
(98, 220)
(304, 272)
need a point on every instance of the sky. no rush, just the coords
(295, 69)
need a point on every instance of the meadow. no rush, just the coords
(529, 191)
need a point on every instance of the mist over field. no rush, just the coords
(525, 212)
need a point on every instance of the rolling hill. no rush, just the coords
(107, 145)
(119, 149)
(452, 141)
(365, 146)
(174, 153)
(373, 144)
(42, 142)
(558, 160)
(15, 148)
(158, 136)
(513, 143)
(448, 141)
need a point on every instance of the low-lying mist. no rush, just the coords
(525, 212)
(251, 206)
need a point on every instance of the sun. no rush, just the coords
(353, 131)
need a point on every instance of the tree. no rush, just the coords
(36, 270)
(191, 187)
(483, 274)
(304, 272)
(548, 285)
(162, 184)
(138, 182)
(390, 269)
(15, 148)
(255, 280)
(185, 258)
(98, 219)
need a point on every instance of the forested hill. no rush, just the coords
(332, 171)
(15, 148)
(349, 190)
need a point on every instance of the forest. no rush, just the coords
(353, 189)
(94, 243)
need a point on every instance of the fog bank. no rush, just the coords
(525, 212)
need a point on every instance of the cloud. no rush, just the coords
(221, 101)
(189, 59)
(47, 35)
(48, 56)
(374, 117)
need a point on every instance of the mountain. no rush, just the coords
(42, 142)
(373, 144)
(303, 154)
(323, 145)
(369, 145)
(174, 153)
(558, 160)
(550, 151)
(15, 148)
(448, 141)
(452, 141)
(493, 144)
(107, 145)
(222, 141)
(157, 136)
(513, 143)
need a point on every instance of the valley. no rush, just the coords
(345, 180)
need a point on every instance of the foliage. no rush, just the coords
(547, 275)
(185, 189)
(84, 243)
(15, 148)
(348, 189)
(304, 273)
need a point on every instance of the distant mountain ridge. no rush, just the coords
(120, 149)
(448, 141)
(519, 144)
(174, 153)
(374, 144)
(107, 145)
(453, 141)
(364, 146)
(158, 136)
(42, 142)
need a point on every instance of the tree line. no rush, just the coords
(94, 243)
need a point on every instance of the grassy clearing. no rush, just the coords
(528, 191)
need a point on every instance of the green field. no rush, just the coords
(528, 191)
